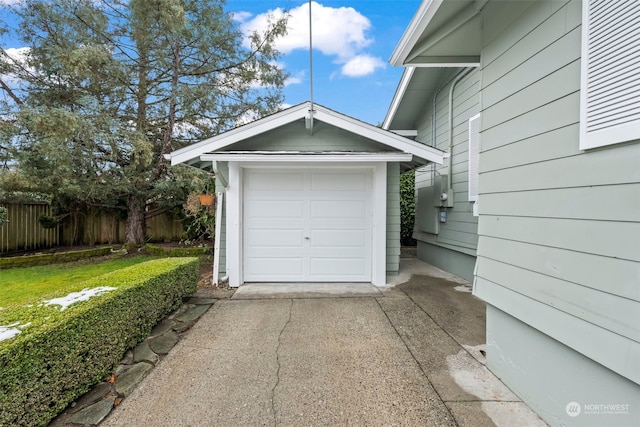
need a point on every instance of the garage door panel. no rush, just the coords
(338, 238)
(276, 268)
(278, 237)
(338, 267)
(338, 209)
(274, 181)
(274, 209)
(336, 181)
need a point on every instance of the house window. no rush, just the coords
(610, 81)
(474, 160)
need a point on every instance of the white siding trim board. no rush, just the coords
(474, 158)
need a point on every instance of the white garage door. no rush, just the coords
(307, 225)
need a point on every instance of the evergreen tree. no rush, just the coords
(106, 88)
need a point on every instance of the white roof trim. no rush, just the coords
(378, 134)
(252, 156)
(238, 134)
(409, 133)
(298, 112)
(421, 19)
(397, 97)
(445, 64)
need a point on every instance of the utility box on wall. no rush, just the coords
(426, 213)
(443, 196)
(432, 204)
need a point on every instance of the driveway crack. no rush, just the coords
(273, 390)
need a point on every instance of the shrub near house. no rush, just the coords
(53, 352)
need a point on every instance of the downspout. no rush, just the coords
(458, 77)
(434, 119)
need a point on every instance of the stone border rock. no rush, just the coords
(94, 406)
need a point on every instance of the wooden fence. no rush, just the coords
(24, 232)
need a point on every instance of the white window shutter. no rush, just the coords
(474, 157)
(610, 85)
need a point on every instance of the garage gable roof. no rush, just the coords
(192, 153)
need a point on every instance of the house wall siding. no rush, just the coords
(559, 230)
(457, 238)
(540, 360)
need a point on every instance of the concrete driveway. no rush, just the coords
(409, 355)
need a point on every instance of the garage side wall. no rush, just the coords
(223, 169)
(393, 218)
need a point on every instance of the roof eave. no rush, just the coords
(398, 96)
(414, 30)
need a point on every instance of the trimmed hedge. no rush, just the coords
(177, 252)
(61, 354)
(54, 258)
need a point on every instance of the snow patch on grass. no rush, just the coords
(75, 297)
(10, 331)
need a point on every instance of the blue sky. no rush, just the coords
(352, 41)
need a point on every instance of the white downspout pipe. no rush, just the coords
(459, 77)
(434, 120)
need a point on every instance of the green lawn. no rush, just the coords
(21, 285)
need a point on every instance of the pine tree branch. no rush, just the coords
(10, 92)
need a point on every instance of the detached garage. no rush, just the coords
(312, 195)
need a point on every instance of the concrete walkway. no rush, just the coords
(410, 355)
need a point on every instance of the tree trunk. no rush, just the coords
(136, 224)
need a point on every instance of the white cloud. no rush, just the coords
(294, 80)
(240, 16)
(17, 57)
(339, 32)
(18, 54)
(10, 2)
(362, 65)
